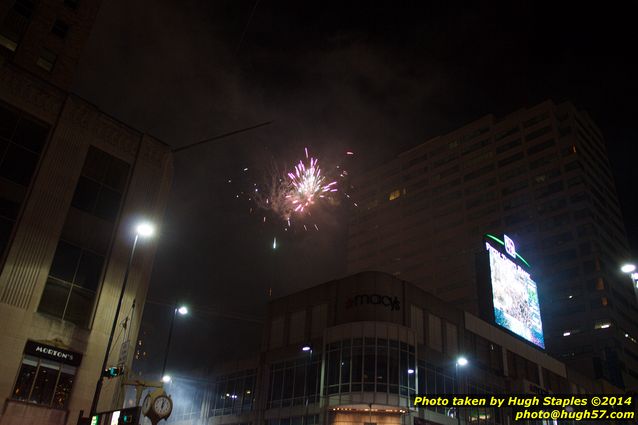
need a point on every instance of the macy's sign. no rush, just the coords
(392, 303)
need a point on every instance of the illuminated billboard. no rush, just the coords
(515, 298)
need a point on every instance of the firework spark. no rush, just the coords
(308, 184)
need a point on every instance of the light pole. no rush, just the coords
(182, 310)
(462, 362)
(407, 400)
(307, 348)
(144, 230)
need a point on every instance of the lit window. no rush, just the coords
(8, 43)
(46, 60)
(602, 325)
(394, 195)
(46, 379)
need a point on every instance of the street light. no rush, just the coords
(166, 379)
(630, 269)
(144, 230)
(182, 310)
(462, 362)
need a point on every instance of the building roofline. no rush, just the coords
(70, 93)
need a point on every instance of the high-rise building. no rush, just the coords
(73, 183)
(540, 175)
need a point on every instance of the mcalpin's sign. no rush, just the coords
(52, 353)
(392, 303)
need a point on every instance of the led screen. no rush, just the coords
(515, 298)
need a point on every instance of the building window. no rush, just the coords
(536, 120)
(504, 133)
(295, 382)
(537, 133)
(78, 262)
(60, 28)
(370, 365)
(45, 382)
(233, 394)
(8, 40)
(15, 24)
(101, 186)
(47, 60)
(21, 142)
(24, 7)
(541, 147)
(72, 285)
(509, 145)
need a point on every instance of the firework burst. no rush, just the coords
(295, 198)
(307, 184)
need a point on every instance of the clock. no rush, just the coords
(163, 406)
(146, 405)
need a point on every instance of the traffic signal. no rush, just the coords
(112, 372)
(129, 416)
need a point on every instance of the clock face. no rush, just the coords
(163, 406)
(146, 406)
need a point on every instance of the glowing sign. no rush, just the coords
(494, 238)
(115, 417)
(515, 298)
(510, 248)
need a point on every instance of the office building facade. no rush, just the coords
(540, 175)
(372, 341)
(73, 183)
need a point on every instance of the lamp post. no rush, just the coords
(307, 348)
(182, 310)
(462, 362)
(407, 400)
(144, 230)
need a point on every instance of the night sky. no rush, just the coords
(373, 77)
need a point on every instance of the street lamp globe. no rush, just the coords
(183, 310)
(461, 361)
(306, 348)
(166, 379)
(628, 268)
(145, 229)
